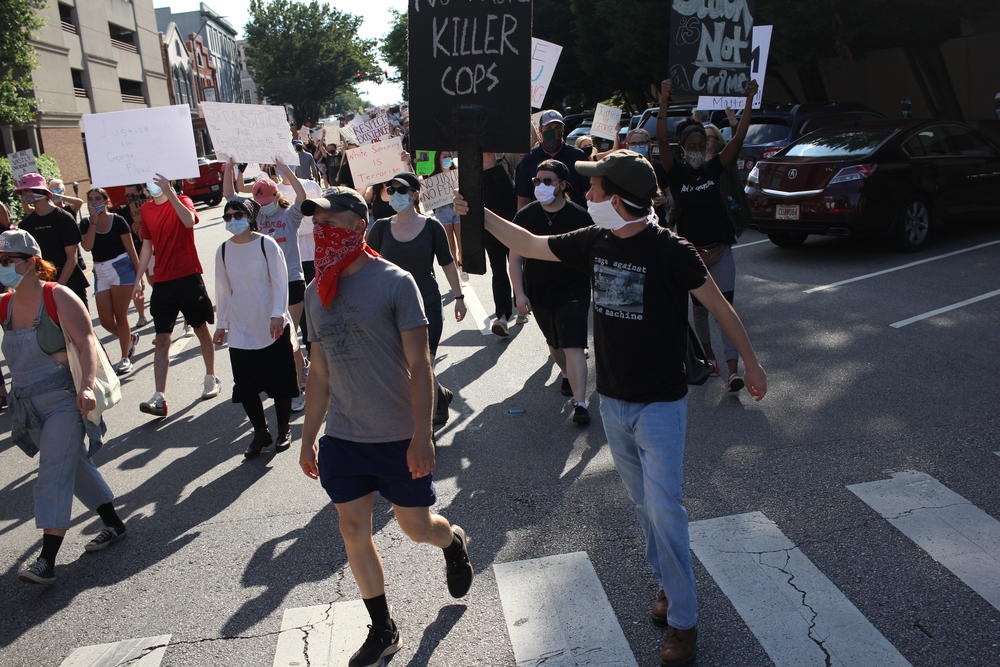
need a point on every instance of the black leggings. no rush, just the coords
(503, 298)
(255, 412)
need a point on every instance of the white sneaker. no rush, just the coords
(213, 385)
(500, 327)
(188, 331)
(299, 403)
(522, 319)
(465, 277)
(123, 367)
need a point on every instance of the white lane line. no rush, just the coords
(120, 653)
(953, 531)
(476, 311)
(797, 614)
(747, 245)
(899, 268)
(557, 613)
(325, 645)
(944, 309)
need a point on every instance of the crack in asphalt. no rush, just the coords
(929, 507)
(563, 651)
(828, 659)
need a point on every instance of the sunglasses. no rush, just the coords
(401, 189)
(134, 198)
(544, 181)
(233, 216)
(12, 259)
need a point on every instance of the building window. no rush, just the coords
(122, 38)
(177, 48)
(198, 57)
(66, 18)
(79, 89)
(131, 91)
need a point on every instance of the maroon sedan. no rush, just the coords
(895, 178)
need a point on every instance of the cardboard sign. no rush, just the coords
(372, 130)
(376, 162)
(606, 121)
(710, 46)
(758, 72)
(127, 147)
(469, 73)
(22, 162)
(438, 190)
(249, 132)
(544, 56)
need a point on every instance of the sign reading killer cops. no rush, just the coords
(710, 43)
(470, 70)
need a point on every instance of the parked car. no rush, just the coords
(207, 188)
(898, 178)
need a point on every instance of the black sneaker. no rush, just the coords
(259, 442)
(284, 442)
(581, 415)
(441, 409)
(382, 641)
(39, 572)
(459, 568)
(564, 388)
(105, 538)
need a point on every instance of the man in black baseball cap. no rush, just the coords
(641, 275)
(552, 147)
(337, 199)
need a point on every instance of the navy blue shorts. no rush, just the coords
(351, 470)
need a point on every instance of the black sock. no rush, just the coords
(50, 547)
(110, 517)
(454, 547)
(378, 609)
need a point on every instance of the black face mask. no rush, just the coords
(551, 140)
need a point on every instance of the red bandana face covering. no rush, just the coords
(336, 248)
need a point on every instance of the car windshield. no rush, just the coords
(767, 132)
(845, 143)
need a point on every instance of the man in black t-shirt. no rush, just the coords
(558, 295)
(553, 147)
(641, 275)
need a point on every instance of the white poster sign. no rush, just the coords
(606, 121)
(249, 132)
(758, 72)
(544, 56)
(22, 162)
(376, 162)
(126, 147)
(373, 129)
(438, 190)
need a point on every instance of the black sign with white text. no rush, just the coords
(710, 42)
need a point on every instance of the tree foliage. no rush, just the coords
(19, 19)
(394, 50)
(345, 102)
(305, 53)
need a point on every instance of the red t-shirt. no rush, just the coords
(173, 242)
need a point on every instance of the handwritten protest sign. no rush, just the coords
(606, 121)
(373, 129)
(376, 162)
(544, 56)
(248, 132)
(710, 46)
(438, 190)
(125, 147)
(758, 72)
(22, 162)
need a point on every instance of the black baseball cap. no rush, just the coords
(407, 178)
(556, 167)
(336, 199)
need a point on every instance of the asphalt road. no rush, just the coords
(219, 549)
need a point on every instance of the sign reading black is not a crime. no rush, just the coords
(470, 71)
(710, 43)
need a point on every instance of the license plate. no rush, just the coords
(216, 187)
(786, 212)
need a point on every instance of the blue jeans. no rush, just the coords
(647, 444)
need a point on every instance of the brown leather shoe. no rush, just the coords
(658, 610)
(678, 647)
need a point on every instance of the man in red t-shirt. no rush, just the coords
(168, 234)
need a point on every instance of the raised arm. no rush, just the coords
(662, 128)
(289, 176)
(187, 216)
(227, 179)
(735, 145)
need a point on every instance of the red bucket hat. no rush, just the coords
(264, 191)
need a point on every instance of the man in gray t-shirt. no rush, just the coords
(307, 163)
(371, 382)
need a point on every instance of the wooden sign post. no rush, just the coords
(470, 65)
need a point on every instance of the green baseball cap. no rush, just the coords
(627, 169)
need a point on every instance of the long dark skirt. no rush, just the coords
(270, 369)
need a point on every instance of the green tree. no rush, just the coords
(394, 50)
(304, 53)
(345, 102)
(19, 19)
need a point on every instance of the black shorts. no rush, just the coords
(296, 292)
(186, 296)
(351, 470)
(564, 326)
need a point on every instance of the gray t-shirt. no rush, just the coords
(283, 227)
(360, 335)
(306, 164)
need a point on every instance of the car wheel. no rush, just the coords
(214, 201)
(914, 226)
(787, 239)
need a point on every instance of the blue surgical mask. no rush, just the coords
(641, 149)
(97, 208)
(237, 226)
(446, 162)
(269, 209)
(57, 191)
(9, 276)
(399, 202)
(154, 190)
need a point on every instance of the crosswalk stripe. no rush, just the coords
(307, 636)
(120, 653)
(953, 531)
(476, 311)
(797, 614)
(557, 613)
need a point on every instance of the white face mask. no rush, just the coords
(694, 160)
(605, 216)
(546, 194)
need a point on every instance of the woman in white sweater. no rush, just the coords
(251, 296)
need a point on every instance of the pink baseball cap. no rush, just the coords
(264, 191)
(32, 182)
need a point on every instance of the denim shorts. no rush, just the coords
(351, 470)
(114, 272)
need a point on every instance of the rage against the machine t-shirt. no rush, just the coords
(640, 291)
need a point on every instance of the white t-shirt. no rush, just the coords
(251, 287)
(307, 247)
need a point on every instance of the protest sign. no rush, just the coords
(376, 162)
(331, 134)
(126, 147)
(606, 121)
(709, 45)
(424, 163)
(248, 132)
(544, 56)
(373, 129)
(438, 190)
(22, 162)
(758, 72)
